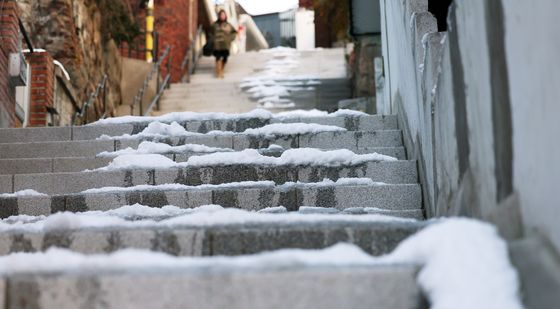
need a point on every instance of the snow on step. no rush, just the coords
(362, 195)
(355, 141)
(447, 253)
(192, 116)
(163, 130)
(296, 157)
(392, 172)
(283, 279)
(209, 230)
(351, 123)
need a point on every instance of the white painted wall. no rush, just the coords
(533, 45)
(305, 30)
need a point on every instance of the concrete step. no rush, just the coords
(397, 172)
(388, 287)
(78, 164)
(361, 123)
(403, 200)
(352, 140)
(204, 235)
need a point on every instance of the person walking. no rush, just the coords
(222, 35)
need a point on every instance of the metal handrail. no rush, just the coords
(82, 113)
(158, 95)
(194, 52)
(139, 97)
(25, 36)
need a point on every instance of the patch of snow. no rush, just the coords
(274, 147)
(234, 185)
(180, 117)
(274, 210)
(464, 264)
(148, 147)
(177, 187)
(210, 215)
(340, 157)
(139, 161)
(292, 129)
(347, 112)
(22, 193)
(298, 156)
(184, 117)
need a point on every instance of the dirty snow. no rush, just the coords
(148, 147)
(464, 264)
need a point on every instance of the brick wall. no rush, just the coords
(176, 24)
(9, 35)
(42, 88)
(308, 4)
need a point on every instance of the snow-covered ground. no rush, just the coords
(464, 264)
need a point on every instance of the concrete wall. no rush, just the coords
(532, 42)
(134, 74)
(478, 105)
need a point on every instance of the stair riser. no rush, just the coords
(79, 164)
(400, 172)
(393, 197)
(363, 123)
(356, 287)
(374, 238)
(326, 140)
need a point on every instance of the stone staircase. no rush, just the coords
(272, 199)
(326, 70)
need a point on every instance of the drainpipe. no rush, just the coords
(150, 32)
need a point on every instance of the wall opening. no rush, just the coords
(440, 9)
